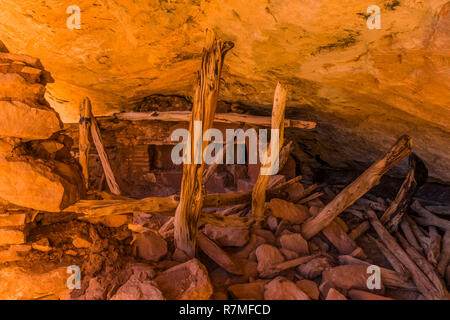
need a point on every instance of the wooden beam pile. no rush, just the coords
(419, 257)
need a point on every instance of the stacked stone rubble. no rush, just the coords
(37, 170)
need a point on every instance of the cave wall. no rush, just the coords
(364, 87)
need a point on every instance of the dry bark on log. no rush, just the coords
(336, 235)
(97, 139)
(158, 205)
(416, 177)
(205, 100)
(390, 278)
(359, 230)
(185, 116)
(306, 193)
(358, 188)
(425, 266)
(424, 285)
(429, 219)
(441, 210)
(395, 263)
(445, 254)
(259, 190)
(407, 231)
(311, 197)
(212, 250)
(356, 294)
(289, 264)
(84, 142)
(162, 205)
(420, 235)
(435, 245)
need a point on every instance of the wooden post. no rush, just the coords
(259, 190)
(190, 206)
(370, 178)
(84, 143)
(97, 138)
(416, 177)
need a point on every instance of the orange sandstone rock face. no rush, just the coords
(20, 285)
(18, 119)
(34, 173)
(186, 281)
(364, 87)
(39, 185)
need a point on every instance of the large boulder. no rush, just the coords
(46, 185)
(138, 289)
(27, 121)
(283, 289)
(150, 246)
(187, 281)
(227, 236)
(18, 284)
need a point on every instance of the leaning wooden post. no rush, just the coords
(190, 206)
(259, 190)
(84, 142)
(109, 175)
(370, 178)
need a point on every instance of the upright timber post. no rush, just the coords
(98, 142)
(84, 143)
(205, 100)
(259, 190)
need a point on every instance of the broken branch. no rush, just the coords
(357, 188)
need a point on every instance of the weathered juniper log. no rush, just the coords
(389, 277)
(424, 285)
(441, 210)
(84, 142)
(114, 205)
(409, 234)
(205, 100)
(370, 178)
(178, 116)
(445, 254)
(434, 248)
(417, 175)
(395, 263)
(212, 250)
(274, 270)
(359, 230)
(157, 205)
(97, 138)
(259, 190)
(419, 234)
(341, 240)
(424, 265)
(428, 219)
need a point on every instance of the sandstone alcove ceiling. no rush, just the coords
(365, 87)
(95, 206)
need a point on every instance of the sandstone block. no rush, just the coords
(150, 246)
(15, 88)
(295, 242)
(27, 121)
(187, 281)
(11, 237)
(137, 289)
(268, 256)
(225, 236)
(283, 289)
(248, 291)
(42, 185)
(12, 220)
(294, 213)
